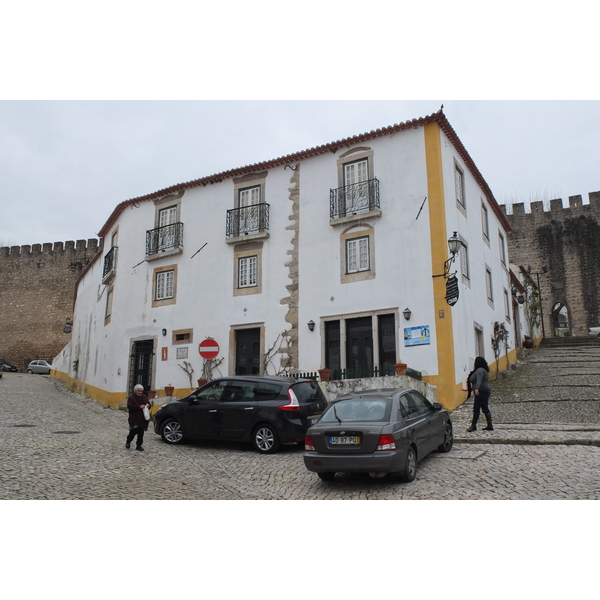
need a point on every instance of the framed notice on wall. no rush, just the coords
(416, 336)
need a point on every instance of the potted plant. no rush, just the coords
(325, 374)
(400, 368)
(169, 389)
(202, 382)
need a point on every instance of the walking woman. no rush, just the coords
(478, 382)
(137, 422)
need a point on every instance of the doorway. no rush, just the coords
(142, 360)
(247, 351)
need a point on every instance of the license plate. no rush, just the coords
(344, 440)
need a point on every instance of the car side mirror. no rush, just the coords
(193, 399)
(437, 406)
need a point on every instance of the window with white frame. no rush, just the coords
(502, 248)
(247, 271)
(249, 196)
(459, 184)
(485, 226)
(464, 260)
(357, 255)
(488, 284)
(165, 285)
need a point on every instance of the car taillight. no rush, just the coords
(293, 404)
(308, 444)
(386, 442)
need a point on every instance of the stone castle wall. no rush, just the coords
(37, 296)
(567, 240)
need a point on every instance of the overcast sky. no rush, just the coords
(65, 165)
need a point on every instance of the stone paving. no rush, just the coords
(546, 445)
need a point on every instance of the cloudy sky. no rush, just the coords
(65, 165)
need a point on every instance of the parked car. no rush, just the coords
(377, 432)
(267, 411)
(41, 367)
(594, 330)
(8, 367)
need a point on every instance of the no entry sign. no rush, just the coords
(208, 349)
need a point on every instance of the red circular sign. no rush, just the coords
(208, 349)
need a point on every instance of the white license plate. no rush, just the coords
(344, 440)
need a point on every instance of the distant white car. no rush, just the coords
(594, 330)
(41, 367)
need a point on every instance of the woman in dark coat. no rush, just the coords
(478, 382)
(137, 422)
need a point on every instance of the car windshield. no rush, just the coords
(358, 409)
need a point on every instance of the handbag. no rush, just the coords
(146, 413)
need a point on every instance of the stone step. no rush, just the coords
(568, 342)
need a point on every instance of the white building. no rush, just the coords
(345, 236)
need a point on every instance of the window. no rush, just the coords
(249, 196)
(502, 248)
(459, 184)
(182, 336)
(507, 305)
(109, 303)
(464, 261)
(488, 284)
(250, 215)
(165, 285)
(357, 255)
(247, 271)
(484, 222)
(167, 236)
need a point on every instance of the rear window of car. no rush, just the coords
(308, 391)
(358, 409)
(267, 391)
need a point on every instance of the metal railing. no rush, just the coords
(110, 262)
(361, 373)
(354, 199)
(162, 239)
(247, 220)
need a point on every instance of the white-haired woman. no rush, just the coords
(137, 422)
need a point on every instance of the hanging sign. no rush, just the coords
(208, 348)
(452, 290)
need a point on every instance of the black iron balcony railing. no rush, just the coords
(163, 239)
(247, 220)
(353, 199)
(110, 262)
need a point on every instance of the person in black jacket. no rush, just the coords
(137, 422)
(478, 382)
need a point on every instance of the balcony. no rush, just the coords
(110, 265)
(355, 201)
(247, 222)
(164, 241)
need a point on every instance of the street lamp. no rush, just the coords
(454, 245)
(544, 270)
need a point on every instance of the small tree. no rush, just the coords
(533, 312)
(499, 339)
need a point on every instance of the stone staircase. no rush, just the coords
(568, 342)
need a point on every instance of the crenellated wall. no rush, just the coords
(567, 240)
(36, 297)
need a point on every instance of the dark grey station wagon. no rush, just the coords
(266, 411)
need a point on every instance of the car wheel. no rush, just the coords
(410, 470)
(30, 371)
(265, 439)
(328, 476)
(170, 431)
(446, 445)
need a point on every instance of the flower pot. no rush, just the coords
(528, 343)
(400, 368)
(169, 389)
(325, 374)
(151, 394)
(202, 382)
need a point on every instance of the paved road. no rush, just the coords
(59, 445)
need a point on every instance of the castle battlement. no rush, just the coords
(50, 249)
(555, 206)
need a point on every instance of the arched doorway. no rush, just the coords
(560, 320)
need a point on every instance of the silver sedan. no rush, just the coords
(377, 432)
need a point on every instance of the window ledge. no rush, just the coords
(261, 235)
(164, 253)
(361, 216)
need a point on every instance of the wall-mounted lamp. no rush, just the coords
(164, 332)
(454, 245)
(406, 312)
(68, 325)
(311, 325)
